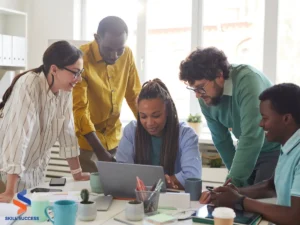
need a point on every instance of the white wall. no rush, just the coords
(48, 19)
(18, 5)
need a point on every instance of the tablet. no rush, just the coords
(204, 215)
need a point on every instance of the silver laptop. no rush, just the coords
(119, 179)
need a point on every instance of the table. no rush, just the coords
(106, 218)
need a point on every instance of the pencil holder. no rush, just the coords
(149, 198)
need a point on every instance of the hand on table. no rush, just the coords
(170, 182)
(205, 197)
(81, 176)
(224, 196)
(6, 197)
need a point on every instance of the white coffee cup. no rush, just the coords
(223, 216)
(134, 210)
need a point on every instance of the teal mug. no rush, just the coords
(64, 212)
(95, 183)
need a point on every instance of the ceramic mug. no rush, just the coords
(95, 183)
(64, 212)
(38, 205)
(194, 187)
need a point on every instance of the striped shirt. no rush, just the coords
(33, 120)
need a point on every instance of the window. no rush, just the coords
(236, 27)
(168, 43)
(288, 65)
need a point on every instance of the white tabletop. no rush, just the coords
(107, 218)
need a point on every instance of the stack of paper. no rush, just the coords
(8, 210)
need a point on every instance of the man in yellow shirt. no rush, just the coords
(110, 75)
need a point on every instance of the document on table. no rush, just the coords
(8, 210)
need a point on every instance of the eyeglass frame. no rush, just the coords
(76, 74)
(199, 90)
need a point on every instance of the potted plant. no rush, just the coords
(216, 163)
(194, 121)
(87, 210)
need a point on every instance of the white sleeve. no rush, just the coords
(69, 147)
(21, 120)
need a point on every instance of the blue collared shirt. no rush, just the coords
(287, 173)
(188, 162)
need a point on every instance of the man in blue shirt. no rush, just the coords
(280, 110)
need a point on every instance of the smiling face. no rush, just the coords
(273, 123)
(153, 116)
(65, 79)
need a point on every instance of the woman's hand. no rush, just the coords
(205, 197)
(81, 176)
(170, 182)
(6, 197)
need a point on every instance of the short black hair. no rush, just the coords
(285, 99)
(204, 64)
(111, 24)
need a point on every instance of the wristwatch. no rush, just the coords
(239, 205)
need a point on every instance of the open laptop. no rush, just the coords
(119, 179)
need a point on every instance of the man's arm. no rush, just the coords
(101, 153)
(221, 137)
(278, 214)
(252, 136)
(133, 86)
(281, 215)
(265, 189)
(83, 123)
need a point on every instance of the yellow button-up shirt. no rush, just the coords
(97, 100)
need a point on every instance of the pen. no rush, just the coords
(227, 182)
(123, 221)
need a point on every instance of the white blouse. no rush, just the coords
(33, 120)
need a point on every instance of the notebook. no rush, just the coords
(8, 210)
(204, 215)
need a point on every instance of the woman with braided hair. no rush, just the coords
(158, 138)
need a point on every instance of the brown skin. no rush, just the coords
(111, 48)
(213, 89)
(278, 128)
(153, 117)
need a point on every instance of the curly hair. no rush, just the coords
(151, 90)
(285, 99)
(204, 64)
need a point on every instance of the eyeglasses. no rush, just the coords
(76, 74)
(200, 90)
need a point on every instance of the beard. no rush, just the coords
(214, 101)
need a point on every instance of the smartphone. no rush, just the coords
(57, 182)
(209, 188)
(45, 190)
(172, 190)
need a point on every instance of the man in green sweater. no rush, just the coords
(228, 96)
